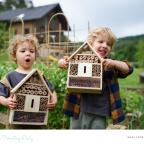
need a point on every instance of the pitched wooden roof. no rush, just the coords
(32, 13)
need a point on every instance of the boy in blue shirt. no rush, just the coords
(23, 50)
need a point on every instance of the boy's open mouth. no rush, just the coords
(27, 60)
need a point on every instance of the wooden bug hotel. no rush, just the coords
(85, 70)
(32, 95)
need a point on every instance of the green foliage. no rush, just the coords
(57, 120)
(57, 76)
(135, 106)
(3, 109)
(10, 4)
(5, 68)
(139, 123)
(126, 48)
(139, 53)
(4, 36)
(131, 100)
(1, 7)
(3, 56)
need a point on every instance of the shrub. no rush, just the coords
(131, 101)
(57, 76)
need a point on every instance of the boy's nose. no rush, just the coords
(27, 52)
(105, 45)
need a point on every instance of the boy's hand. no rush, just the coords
(10, 102)
(63, 63)
(108, 64)
(119, 65)
(52, 102)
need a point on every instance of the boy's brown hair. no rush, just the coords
(16, 40)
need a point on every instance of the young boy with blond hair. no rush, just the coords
(95, 108)
(23, 50)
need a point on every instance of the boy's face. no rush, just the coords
(102, 46)
(25, 55)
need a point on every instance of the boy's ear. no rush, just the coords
(111, 49)
(14, 57)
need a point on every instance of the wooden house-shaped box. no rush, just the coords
(85, 70)
(32, 95)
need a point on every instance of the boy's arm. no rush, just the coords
(123, 67)
(6, 98)
(119, 65)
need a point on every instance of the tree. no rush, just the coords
(1, 6)
(12, 4)
(127, 47)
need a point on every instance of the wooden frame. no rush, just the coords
(85, 70)
(32, 95)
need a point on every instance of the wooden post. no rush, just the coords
(59, 35)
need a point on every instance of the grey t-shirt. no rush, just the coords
(96, 103)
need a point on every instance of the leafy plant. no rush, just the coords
(57, 76)
(133, 105)
(131, 100)
(6, 67)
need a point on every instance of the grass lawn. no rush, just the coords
(133, 79)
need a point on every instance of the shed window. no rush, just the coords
(26, 30)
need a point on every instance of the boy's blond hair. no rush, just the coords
(16, 40)
(100, 31)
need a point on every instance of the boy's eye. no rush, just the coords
(32, 51)
(22, 51)
(100, 41)
(108, 44)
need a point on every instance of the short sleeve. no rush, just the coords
(4, 90)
